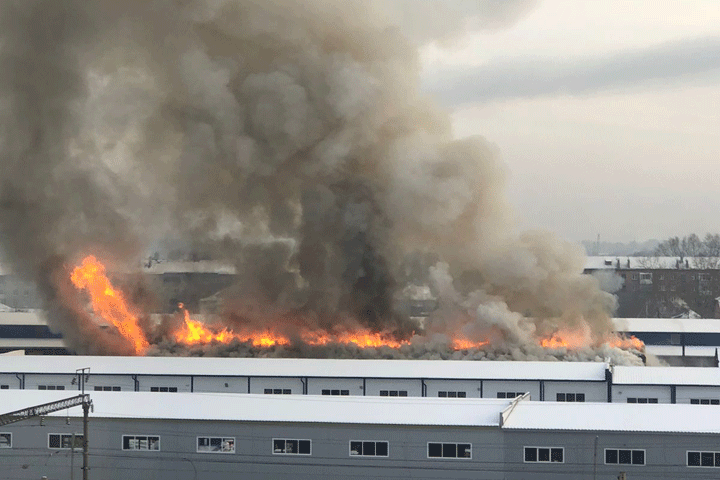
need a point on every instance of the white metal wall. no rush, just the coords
(683, 393)
(317, 385)
(594, 391)
(492, 387)
(472, 388)
(220, 384)
(620, 393)
(412, 386)
(181, 382)
(259, 384)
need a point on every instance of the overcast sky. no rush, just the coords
(607, 114)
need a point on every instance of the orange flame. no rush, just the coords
(194, 332)
(626, 343)
(577, 339)
(461, 343)
(570, 339)
(108, 303)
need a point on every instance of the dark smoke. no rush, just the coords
(288, 137)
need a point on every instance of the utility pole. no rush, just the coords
(86, 410)
(86, 468)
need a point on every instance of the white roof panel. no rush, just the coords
(649, 263)
(667, 325)
(666, 376)
(614, 417)
(22, 318)
(298, 367)
(273, 408)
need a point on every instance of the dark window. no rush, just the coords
(717, 459)
(141, 442)
(579, 397)
(154, 389)
(556, 455)
(326, 392)
(611, 456)
(5, 440)
(632, 400)
(541, 454)
(345, 392)
(393, 393)
(693, 459)
(434, 450)
(4, 387)
(291, 447)
(560, 397)
(381, 449)
(335, 392)
(216, 445)
(695, 401)
(500, 394)
(707, 459)
(286, 391)
(65, 441)
(638, 457)
(531, 454)
(625, 457)
(462, 394)
(449, 450)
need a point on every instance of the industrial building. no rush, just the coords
(140, 435)
(571, 382)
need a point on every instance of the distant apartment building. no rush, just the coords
(662, 287)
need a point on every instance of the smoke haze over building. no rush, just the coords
(288, 137)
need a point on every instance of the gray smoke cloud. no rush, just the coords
(289, 137)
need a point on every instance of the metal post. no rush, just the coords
(595, 459)
(86, 468)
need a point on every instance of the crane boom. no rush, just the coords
(44, 409)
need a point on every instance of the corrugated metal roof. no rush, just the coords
(671, 325)
(273, 408)
(296, 367)
(666, 376)
(614, 417)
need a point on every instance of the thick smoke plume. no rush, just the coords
(289, 137)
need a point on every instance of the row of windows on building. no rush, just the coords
(368, 448)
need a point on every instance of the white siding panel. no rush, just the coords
(622, 392)
(317, 385)
(220, 384)
(412, 386)
(471, 387)
(684, 394)
(259, 384)
(492, 387)
(182, 383)
(594, 391)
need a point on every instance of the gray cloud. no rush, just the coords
(523, 78)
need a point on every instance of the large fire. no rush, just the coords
(109, 304)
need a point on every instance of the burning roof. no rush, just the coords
(289, 138)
